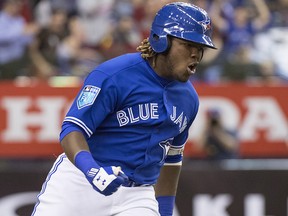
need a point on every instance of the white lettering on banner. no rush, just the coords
(206, 205)
(48, 118)
(264, 113)
(11, 203)
(254, 205)
(261, 114)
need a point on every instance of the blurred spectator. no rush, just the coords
(95, 17)
(239, 27)
(239, 23)
(275, 38)
(240, 68)
(43, 49)
(74, 58)
(271, 49)
(43, 9)
(216, 141)
(42, 12)
(244, 31)
(208, 70)
(279, 12)
(123, 38)
(15, 37)
(70, 6)
(139, 13)
(122, 8)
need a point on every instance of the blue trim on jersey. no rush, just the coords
(52, 171)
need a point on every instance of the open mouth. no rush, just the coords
(192, 68)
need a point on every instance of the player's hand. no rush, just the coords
(106, 180)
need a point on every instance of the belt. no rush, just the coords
(131, 183)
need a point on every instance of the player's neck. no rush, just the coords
(157, 63)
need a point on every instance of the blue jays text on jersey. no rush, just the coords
(133, 118)
(148, 111)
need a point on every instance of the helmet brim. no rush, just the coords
(203, 40)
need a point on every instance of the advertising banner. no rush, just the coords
(240, 192)
(203, 190)
(259, 113)
(31, 117)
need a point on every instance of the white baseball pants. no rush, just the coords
(66, 192)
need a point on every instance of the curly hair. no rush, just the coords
(146, 49)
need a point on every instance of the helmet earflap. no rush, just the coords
(160, 44)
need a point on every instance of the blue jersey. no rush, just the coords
(131, 117)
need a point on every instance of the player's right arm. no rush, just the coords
(94, 101)
(73, 143)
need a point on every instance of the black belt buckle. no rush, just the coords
(131, 183)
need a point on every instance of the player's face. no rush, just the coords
(182, 59)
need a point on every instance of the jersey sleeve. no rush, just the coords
(95, 100)
(175, 153)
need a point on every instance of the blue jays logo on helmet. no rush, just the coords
(182, 20)
(206, 25)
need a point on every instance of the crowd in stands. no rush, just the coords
(46, 38)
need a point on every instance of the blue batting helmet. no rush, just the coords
(182, 20)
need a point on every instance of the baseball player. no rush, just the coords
(124, 135)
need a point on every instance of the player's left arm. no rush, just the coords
(169, 175)
(166, 186)
(168, 180)
(167, 183)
